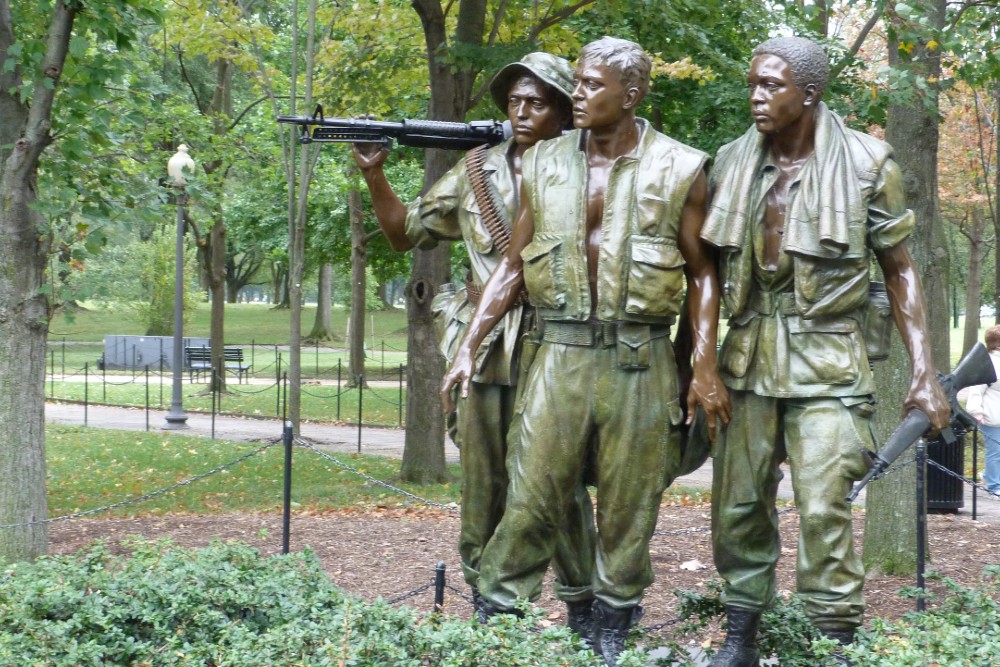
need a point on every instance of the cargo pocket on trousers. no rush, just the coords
(856, 456)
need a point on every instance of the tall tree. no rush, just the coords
(37, 42)
(912, 129)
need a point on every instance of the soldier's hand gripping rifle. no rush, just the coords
(417, 133)
(974, 369)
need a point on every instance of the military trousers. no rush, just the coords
(483, 420)
(581, 409)
(823, 441)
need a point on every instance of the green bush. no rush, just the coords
(228, 605)
(960, 627)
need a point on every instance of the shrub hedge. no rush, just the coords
(227, 605)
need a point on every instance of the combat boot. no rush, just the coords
(843, 637)
(611, 629)
(740, 648)
(580, 619)
(486, 610)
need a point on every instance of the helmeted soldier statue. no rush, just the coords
(474, 203)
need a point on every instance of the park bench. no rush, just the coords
(199, 360)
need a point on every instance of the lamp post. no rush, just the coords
(180, 163)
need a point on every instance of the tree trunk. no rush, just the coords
(359, 257)
(890, 527)
(323, 326)
(24, 307)
(423, 451)
(217, 289)
(995, 206)
(974, 286)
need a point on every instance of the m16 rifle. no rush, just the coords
(974, 369)
(418, 133)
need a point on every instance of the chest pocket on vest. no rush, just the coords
(544, 271)
(655, 277)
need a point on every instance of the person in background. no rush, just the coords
(984, 405)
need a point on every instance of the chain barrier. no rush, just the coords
(705, 529)
(968, 481)
(413, 593)
(147, 496)
(247, 392)
(459, 593)
(384, 400)
(340, 393)
(305, 444)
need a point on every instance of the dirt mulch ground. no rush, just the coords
(390, 552)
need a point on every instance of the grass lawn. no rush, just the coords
(383, 406)
(246, 323)
(90, 468)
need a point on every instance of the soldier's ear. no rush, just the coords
(632, 98)
(812, 96)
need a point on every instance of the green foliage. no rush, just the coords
(228, 605)
(960, 627)
(90, 468)
(137, 279)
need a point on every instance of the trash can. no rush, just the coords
(945, 493)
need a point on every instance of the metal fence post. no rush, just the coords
(52, 373)
(975, 467)
(361, 396)
(921, 520)
(439, 587)
(64, 357)
(86, 386)
(338, 387)
(146, 372)
(277, 380)
(286, 519)
(104, 381)
(215, 386)
(400, 420)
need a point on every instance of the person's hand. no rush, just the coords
(708, 390)
(369, 155)
(927, 396)
(459, 375)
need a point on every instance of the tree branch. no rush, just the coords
(190, 83)
(556, 18)
(40, 114)
(858, 43)
(250, 106)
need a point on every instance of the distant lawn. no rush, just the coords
(245, 323)
(89, 468)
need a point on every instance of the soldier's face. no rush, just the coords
(776, 103)
(598, 96)
(533, 111)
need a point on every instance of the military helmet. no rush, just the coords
(553, 70)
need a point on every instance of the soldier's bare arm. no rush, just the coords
(499, 296)
(389, 210)
(703, 297)
(906, 297)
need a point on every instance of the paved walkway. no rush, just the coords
(374, 440)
